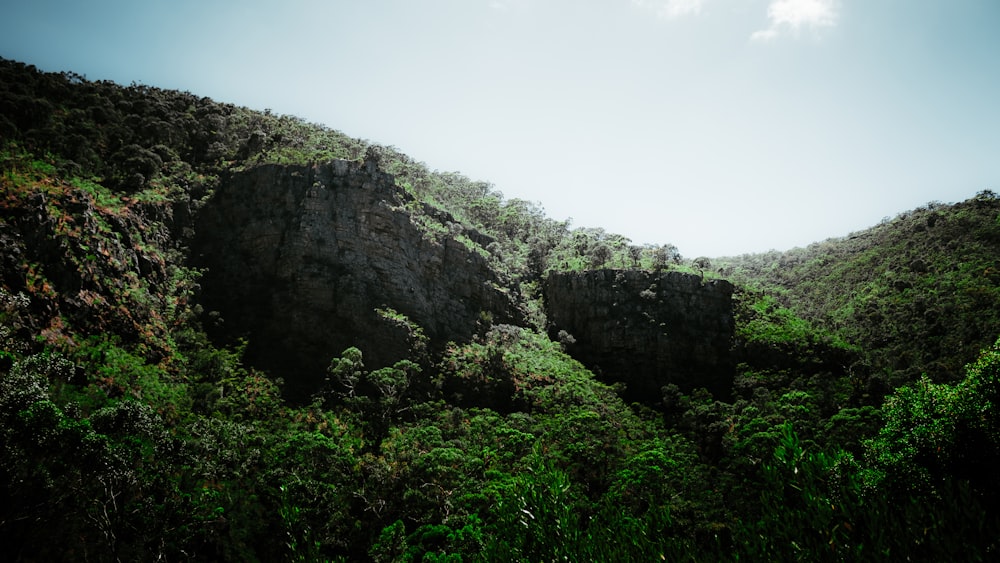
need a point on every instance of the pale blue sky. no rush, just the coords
(721, 126)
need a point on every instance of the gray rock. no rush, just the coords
(646, 329)
(299, 258)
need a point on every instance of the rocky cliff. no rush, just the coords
(646, 329)
(305, 261)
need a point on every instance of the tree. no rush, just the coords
(665, 255)
(346, 372)
(635, 254)
(937, 431)
(600, 253)
(702, 263)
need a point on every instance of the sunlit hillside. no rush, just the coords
(231, 335)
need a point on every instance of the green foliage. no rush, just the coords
(777, 337)
(936, 432)
(805, 509)
(917, 294)
(84, 484)
(772, 323)
(537, 520)
(541, 518)
(817, 506)
(127, 434)
(378, 397)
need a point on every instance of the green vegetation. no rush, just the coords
(861, 424)
(929, 276)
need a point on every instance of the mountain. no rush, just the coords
(920, 293)
(308, 260)
(233, 335)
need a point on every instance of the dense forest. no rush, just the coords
(853, 414)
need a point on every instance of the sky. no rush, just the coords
(720, 126)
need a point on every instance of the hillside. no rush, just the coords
(231, 335)
(920, 293)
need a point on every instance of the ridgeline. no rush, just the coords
(229, 335)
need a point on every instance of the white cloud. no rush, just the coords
(794, 15)
(671, 9)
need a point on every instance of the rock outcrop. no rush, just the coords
(305, 261)
(646, 329)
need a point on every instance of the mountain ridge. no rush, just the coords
(230, 335)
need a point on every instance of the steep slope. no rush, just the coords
(87, 260)
(919, 293)
(133, 219)
(372, 261)
(305, 261)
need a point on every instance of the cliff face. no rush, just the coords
(306, 260)
(646, 329)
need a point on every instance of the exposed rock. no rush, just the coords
(646, 329)
(300, 258)
(84, 265)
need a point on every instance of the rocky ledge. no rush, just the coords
(646, 329)
(305, 261)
